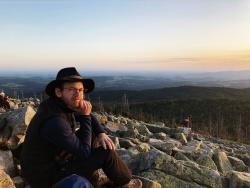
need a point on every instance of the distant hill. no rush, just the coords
(23, 87)
(33, 85)
(173, 93)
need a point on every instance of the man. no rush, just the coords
(4, 103)
(58, 140)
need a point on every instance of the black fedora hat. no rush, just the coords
(69, 74)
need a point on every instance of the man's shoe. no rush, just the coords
(134, 183)
(99, 178)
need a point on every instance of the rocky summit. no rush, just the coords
(159, 155)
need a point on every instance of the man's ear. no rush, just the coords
(58, 92)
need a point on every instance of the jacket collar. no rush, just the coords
(62, 105)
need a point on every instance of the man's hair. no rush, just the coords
(60, 85)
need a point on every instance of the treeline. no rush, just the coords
(172, 93)
(223, 118)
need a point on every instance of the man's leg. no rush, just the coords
(114, 167)
(40, 183)
(108, 160)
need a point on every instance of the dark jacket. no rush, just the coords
(51, 131)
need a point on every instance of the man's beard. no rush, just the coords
(75, 103)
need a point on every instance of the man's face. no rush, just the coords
(71, 94)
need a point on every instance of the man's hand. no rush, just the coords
(105, 141)
(85, 108)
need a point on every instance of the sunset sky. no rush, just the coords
(125, 35)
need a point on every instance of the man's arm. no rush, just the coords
(85, 109)
(95, 124)
(97, 127)
(58, 132)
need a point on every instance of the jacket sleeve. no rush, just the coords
(58, 132)
(95, 124)
(97, 127)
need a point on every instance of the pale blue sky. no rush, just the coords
(125, 34)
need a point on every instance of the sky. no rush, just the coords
(125, 35)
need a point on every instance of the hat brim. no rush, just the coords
(88, 84)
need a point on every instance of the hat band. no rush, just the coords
(71, 77)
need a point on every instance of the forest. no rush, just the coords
(222, 118)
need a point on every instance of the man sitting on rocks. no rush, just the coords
(4, 102)
(58, 139)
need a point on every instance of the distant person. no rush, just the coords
(4, 103)
(190, 121)
(187, 122)
(2, 94)
(58, 140)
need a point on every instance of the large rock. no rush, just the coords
(143, 147)
(185, 130)
(18, 181)
(181, 137)
(2, 110)
(7, 163)
(238, 165)
(206, 160)
(111, 118)
(115, 141)
(126, 143)
(193, 150)
(5, 180)
(168, 181)
(13, 126)
(209, 148)
(131, 132)
(166, 147)
(193, 156)
(197, 137)
(181, 156)
(129, 158)
(103, 119)
(148, 183)
(158, 128)
(161, 136)
(143, 130)
(239, 179)
(13, 105)
(222, 162)
(113, 127)
(193, 146)
(202, 175)
(177, 143)
(123, 120)
(245, 158)
(185, 170)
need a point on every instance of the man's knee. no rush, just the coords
(104, 152)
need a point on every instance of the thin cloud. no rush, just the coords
(34, 2)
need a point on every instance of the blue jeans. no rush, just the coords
(74, 181)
